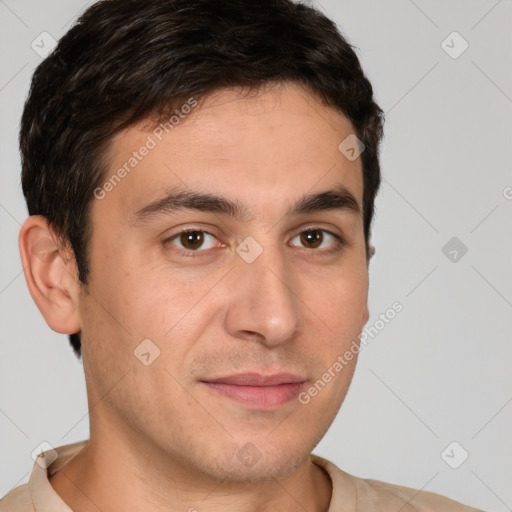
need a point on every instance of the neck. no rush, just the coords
(109, 477)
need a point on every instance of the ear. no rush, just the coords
(366, 316)
(366, 313)
(51, 275)
(370, 253)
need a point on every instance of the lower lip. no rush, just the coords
(258, 397)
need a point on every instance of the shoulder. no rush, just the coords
(373, 495)
(412, 500)
(17, 500)
(38, 493)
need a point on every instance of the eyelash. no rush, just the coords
(340, 242)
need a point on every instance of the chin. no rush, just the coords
(246, 463)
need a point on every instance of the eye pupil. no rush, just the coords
(192, 239)
(312, 237)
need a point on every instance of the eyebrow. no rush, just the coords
(179, 199)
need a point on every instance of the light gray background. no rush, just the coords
(440, 371)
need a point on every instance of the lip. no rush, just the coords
(258, 391)
(257, 379)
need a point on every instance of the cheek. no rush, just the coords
(129, 300)
(342, 302)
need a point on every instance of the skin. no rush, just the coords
(159, 438)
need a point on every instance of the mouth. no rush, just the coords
(257, 391)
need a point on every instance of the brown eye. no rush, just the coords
(319, 238)
(193, 240)
(311, 238)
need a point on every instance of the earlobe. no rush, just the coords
(50, 275)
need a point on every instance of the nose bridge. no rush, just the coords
(265, 302)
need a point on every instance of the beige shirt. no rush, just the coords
(349, 494)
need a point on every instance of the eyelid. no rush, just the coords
(189, 229)
(340, 242)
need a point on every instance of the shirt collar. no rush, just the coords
(44, 498)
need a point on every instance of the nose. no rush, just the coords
(264, 302)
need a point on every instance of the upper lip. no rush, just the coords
(258, 379)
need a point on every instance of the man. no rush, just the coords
(200, 178)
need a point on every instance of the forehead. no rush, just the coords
(255, 147)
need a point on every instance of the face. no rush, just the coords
(205, 327)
